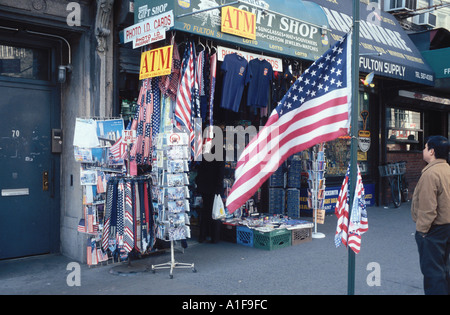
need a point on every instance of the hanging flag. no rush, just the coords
(212, 80)
(146, 151)
(81, 226)
(118, 149)
(315, 109)
(108, 215)
(128, 238)
(183, 107)
(196, 107)
(145, 97)
(350, 234)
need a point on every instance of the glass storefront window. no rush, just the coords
(337, 152)
(24, 62)
(403, 129)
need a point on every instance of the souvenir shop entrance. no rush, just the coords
(29, 112)
(182, 75)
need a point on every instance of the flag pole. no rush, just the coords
(354, 135)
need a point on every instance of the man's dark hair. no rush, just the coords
(440, 145)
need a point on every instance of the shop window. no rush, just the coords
(337, 152)
(23, 62)
(403, 129)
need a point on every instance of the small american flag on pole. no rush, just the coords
(315, 109)
(349, 230)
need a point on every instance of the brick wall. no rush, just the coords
(414, 166)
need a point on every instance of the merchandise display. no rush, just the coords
(172, 202)
(260, 77)
(269, 231)
(139, 171)
(236, 77)
(316, 168)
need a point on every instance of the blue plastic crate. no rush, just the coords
(244, 236)
(294, 180)
(277, 200)
(293, 202)
(277, 179)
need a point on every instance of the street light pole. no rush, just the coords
(354, 135)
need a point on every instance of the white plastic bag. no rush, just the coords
(218, 211)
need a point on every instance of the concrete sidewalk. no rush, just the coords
(316, 267)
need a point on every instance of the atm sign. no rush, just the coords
(238, 22)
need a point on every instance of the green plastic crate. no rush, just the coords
(272, 240)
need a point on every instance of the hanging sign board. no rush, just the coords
(271, 31)
(364, 135)
(156, 62)
(277, 63)
(238, 22)
(149, 38)
(129, 136)
(385, 48)
(149, 31)
(319, 216)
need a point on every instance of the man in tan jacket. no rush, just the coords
(430, 210)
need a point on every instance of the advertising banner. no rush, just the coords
(156, 62)
(384, 46)
(238, 22)
(273, 32)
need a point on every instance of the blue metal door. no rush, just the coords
(29, 172)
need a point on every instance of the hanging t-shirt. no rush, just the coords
(235, 68)
(259, 83)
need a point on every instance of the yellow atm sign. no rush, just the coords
(156, 62)
(238, 22)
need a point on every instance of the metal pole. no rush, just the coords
(354, 134)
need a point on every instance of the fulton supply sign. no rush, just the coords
(149, 31)
(384, 46)
(156, 62)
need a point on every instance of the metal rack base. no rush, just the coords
(172, 264)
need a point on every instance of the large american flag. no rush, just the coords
(315, 109)
(183, 108)
(350, 229)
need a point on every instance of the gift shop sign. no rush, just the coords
(238, 22)
(156, 62)
(149, 31)
(254, 24)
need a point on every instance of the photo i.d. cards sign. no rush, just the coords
(156, 62)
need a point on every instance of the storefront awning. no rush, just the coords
(380, 33)
(439, 61)
(434, 46)
(292, 28)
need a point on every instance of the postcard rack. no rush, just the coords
(172, 194)
(316, 186)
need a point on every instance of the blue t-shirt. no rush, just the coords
(261, 74)
(235, 78)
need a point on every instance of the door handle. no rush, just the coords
(45, 181)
